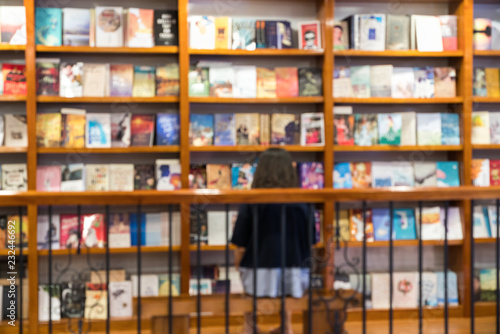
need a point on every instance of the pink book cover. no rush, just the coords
(93, 230)
(69, 231)
(48, 178)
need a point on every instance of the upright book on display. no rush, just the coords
(109, 26)
(76, 26)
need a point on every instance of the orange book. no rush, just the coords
(140, 28)
(356, 224)
(223, 33)
(287, 82)
(492, 81)
(266, 83)
(48, 130)
(361, 174)
(219, 177)
(73, 128)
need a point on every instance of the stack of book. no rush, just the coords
(13, 177)
(487, 81)
(485, 172)
(485, 127)
(100, 80)
(13, 131)
(105, 27)
(13, 25)
(5, 239)
(486, 34)
(379, 32)
(395, 174)
(396, 82)
(221, 79)
(485, 221)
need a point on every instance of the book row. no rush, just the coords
(209, 33)
(486, 81)
(348, 175)
(485, 221)
(105, 27)
(225, 80)
(405, 224)
(486, 34)
(99, 80)
(485, 127)
(485, 172)
(406, 128)
(76, 128)
(379, 32)
(396, 82)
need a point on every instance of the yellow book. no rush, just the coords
(73, 128)
(16, 222)
(223, 33)
(266, 83)
(493, 82)
(48, 130)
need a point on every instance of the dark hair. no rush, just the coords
(275, 170)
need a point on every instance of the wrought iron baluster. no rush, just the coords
(255, 263)
(170, 297)
(363, 277)
(311, 230)
(228, 282)
(198, 273)
(107, 272)
(283, 259)
(337, 225)
(446, 207)
(391, 265)
(497, 263)
(139, 267)
(79, 232)
(472, 310)
(50, 268)
(420, 268)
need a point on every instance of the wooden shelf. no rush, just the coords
(485, 240)
(401, 243)
(12, 98)
(355, 314)
(89, 49)
(485, 309)
(5, 149)
(484, 99)
(257, 52)
(112, 150)
(5, 252)
(486, 146)
(300, 99)
(255, 148)
(208, 248)
(128, 250)
(377, 148)
(108, 99)
(8, 47)
(396, 53)
(389, 100)
(490, 53)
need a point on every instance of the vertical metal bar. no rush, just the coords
(337, 225)
(108, 323)
(472, 267)
(79, 215)
(391, 265)
(311, 233)
(497, 264)
(255, 263)
(170, 297)
(198, 270)
(363, 278)
(228, 282)
(139, 267)
(446, 207)
(283, 259)
(50, 269)
(420, 268)
(21, 271)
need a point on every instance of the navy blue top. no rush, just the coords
(297, 217)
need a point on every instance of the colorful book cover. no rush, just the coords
(48, 26)
(312, 129)
(310, 82)
(16, 131)
(340, 36)
(97, 177)
(488, 281)
(382, 174)
(202, 32)
(312, 175)
(14, 79)
(69, 231)
(13, 25)
(357, 223)
(76, 26)
(142, 130)
(14, 177)
(243, 32)
(342, 82)
(96, 301)
(242, 175)
(144, 81)
(201, 129)
(70, 80)
(360, 81)
(450, 129)
(93, 230)
(482, 34)
(221, 80)
(402, 174)
(140, 28)
(310, 35)
(287, 82)
(167, 129)
(197, 177)
(134, 230)
(121, 177)
(429, 129)
(198, 82)
(452, 288)
(168, 174)
(46, 234)
(389, 129)
(361, 175)
(403, 80)
(494, 127)
(119, 230)
(405, 287)
(109, 27)
(449, 32)
(424, 83)
(447, 174)
(198, 217)
(445, 84)
(47, 78)
(381, 219)
(481, 224)
(144, 177)
(218, 177)
(480, 172)
(404, 224)
(344, 130)
(164, 289)
(491, 212)
(121, 79)
(73, 177)
(166, 30)
(285, 40)
(48, 130)
(425, 174)
(494, 172)
(48, 178)
(365, 129)
(73, 296)
(342, 176)
(479, 87)
(266, 83)
(98, 130)
(225, 130)
(73, 128)
(247, 129)
(167, 80)
(432, 228)
(480, 127)
(120, 129)
(285, 129)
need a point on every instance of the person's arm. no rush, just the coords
(241, 234)
(238, 255)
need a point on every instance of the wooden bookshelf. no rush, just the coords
(401, 243)
(12, 98)
(298, 100)
(397, 53)
(484, 240)
(125, 50)
(5, 252)
(4, 149)
(389, 100)
(487, 53)
(112, 150)
(258, 52)
(486, 146)
(380, 148)
(127, 250)
(8, 47)
(107, 99)
(355, 314)
(209, 248)
(483, 99)
(255, 148)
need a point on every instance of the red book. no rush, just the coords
(344, 130)
(494, 172)
(14, 79)
(142, 130)
(69, 231)
(287, 81)
(93, 230)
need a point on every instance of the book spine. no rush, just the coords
(264, 129)
(271, 34)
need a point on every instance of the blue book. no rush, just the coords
(447, 174)
(487, 218)
(48, 26)
(133, 229)
(404, 224)
(342, 177)
(201, 129)
(381, 218)
(167, 129)
(225, 130)
(271, 34)
(153, 229)
(284, 35)
(450, 131)
(242, 175)
(452, 288)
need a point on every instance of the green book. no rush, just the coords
(198, 82)
(389, 129)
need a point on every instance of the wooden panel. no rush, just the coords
(107, 99)
(125, 250)
(355, 314)
(401, 243)
(88, 49)
(4, 149)
(255, 148)
(482, 99)
(377, 148)
(14, 98)
(180, 325)
(486, 147)
(258, 52)
(302, 99)
(112, 150)
(488, 53)
(388, 100)
(397, 53)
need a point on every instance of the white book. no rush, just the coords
(176, 228)
(73, 177)
(402, 82)
(403, 174)
(312, 129)
(408, 128)
(236, 286)
(98, 130)
(429, 129)
(153, 229)
(455, 231)
(405, 290)
(429, 289)
(95, 81)
(16, 131)
(97, 177)
(424, 83)
(120, 299)
(142, 36)
(372, 32)
(492, 219)
(245, 82)
(482, 178)
(480, 227)
(43, 231)
(342, 110)
(120, 129)
(480, 127)
(382, 174)
(43, 303)
(432, 226)
(380, 291)
(149, 285)
(494, 128)
(2, 130)
(202, 32)
(221, 80)
(15, 17)
(425, 174)
(121, 177)
(205, 286)
(428, 33)
(381, 80)
(168, 173)
(216, 224)
(109, 26)
(14, 177)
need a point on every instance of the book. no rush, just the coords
(342, 82)
(144, 81)
(481, 226)
(121, 79)
(312, 129)
(382, 174)
(144, 177)
(121, 177)
(198, 82)
(167, 80)
(404, 224)
(120, 129)
(398, 32)
(449, 32)
(109, 25)
(201, 129)
(47, 77)
(13, 25)
(424, 82)
(153, 229)
(204, 288)
(310, 35)
(48, 26)
(73, 300)
(242, 177)
(380, 291)
(149, 285)
(48, 130)
(403, 79)
(167, 129)
(198, 221)
(218, 177)
(450, 129)
(405, 287)
(265, 127)
(139, 32)
(488, 282)
(492, 81)
(361, 175)
(479, 88)
(70, 79)
(284, 35)
(96, 300)
(494, 172)
(202, 32)
(93, 231)
(357, 223)
(344, 134)
(223, 33)
(142, 130)
(134, 229)
(447, 174)
(381, 219)
(73, 127)
(2, 130)
(480, 127)
(176, 228)
(76, 27)
(380, 80)
(343, 226)
(69, 231)
(168, 174)
(221, 80)
(402, 173)
(266, 83)
(425, 174)
(429, 289)
(340, 35)
(360, 81)
(454, 223)
(408, 128)
(452, 288)
(494, 127)
(284, 129)
(73, 177)
(310, 82)
(197, 177)
(98, 130)
(495, 35)
(480, 172)
(52, 292)
(14, 177)
(260, 34)
(15, 131)
(48, 178)
(243, 32)
(372, 32)
(342, 176)
(312, 175)
(245, 82)
(97, 177)
(48, 233)
(432, 227)
(389, 129)
(248, 129)
(14, 79)
(491, 213)
(444, 82)
(166, 28)
(482, 34)
(428, 33)
(428, 129)
(164, 281)
(120, 299)
(287, 82)
(365, 129)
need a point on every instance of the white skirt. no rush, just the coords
(269, 281)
